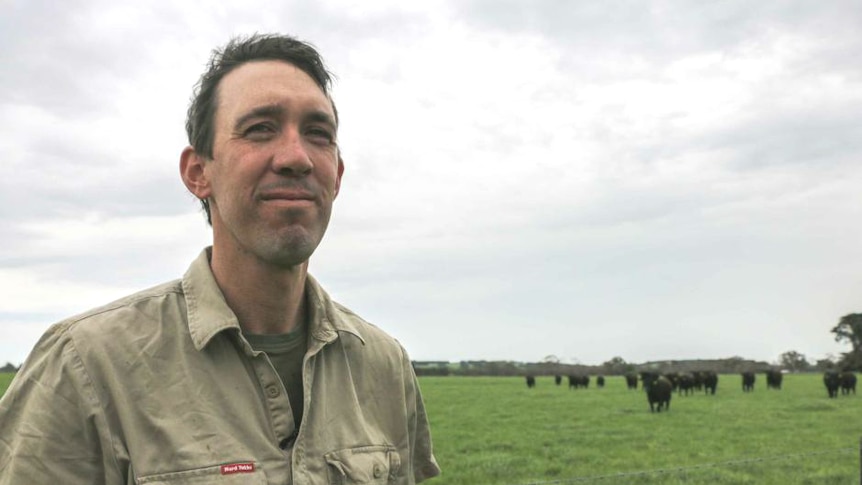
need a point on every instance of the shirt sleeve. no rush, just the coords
(51, 427)
(422, 454)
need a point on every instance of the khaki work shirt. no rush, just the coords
(160, 388)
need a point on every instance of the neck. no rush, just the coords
(266, 299)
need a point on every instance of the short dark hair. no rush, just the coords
(240, 50)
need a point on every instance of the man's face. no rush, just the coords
(275, 169)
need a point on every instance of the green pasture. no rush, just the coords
(5, 379)
(494, 430)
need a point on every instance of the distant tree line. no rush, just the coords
(9, 367)
(615, 366)
(848, 330)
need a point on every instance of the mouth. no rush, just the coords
(286, 195)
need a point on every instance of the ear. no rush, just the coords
(193, 174)
(340, 173)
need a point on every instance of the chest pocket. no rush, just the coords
(373, 465)
(235, 474)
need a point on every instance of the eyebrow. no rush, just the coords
(277, 111)
(318, 116)
(268, 111)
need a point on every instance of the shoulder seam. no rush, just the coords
(122, 302)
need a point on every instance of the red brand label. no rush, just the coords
(237, 468)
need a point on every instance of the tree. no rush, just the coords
(849, 329)
(617, 365)
(793, 360)
(9, 367)
(734, 364)
(550, 365)
(826, 363)
(851, 361)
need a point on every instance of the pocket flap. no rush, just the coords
(365, 464)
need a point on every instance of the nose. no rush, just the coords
(290, 157)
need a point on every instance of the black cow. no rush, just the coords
(576, 381)
(848, 382)
(748, 379)
(531, 382)
(558, 380)
(658, 390)
(647, 378)
(773, 379)
(673, 377)
(698, 376)
(600, 381)
(832, 380)
(686, 383)
(632, 381)
(710, 382)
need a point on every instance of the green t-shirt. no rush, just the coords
(285, 351)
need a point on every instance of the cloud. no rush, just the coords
(581, 179)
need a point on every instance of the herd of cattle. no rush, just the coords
(660, 387)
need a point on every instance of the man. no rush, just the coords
(244, 371)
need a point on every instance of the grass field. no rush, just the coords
(5, 379)
(490, 430)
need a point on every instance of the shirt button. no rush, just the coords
(272, 391)
(378, 470)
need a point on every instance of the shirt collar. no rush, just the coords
(209, 314)
(326, 317)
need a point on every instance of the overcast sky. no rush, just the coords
(650, 180)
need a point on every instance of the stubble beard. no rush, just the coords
(293, 245)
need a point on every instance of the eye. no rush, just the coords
(320, 135)
(259, 131)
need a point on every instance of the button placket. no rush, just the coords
(272, 390)
(276, 400)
